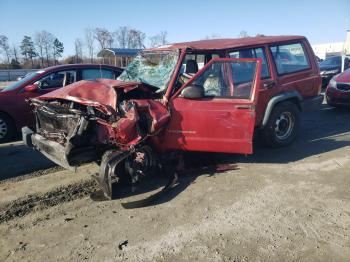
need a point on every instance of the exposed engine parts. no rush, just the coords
(116, 136)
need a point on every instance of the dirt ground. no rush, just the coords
(289, 204)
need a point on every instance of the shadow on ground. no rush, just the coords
(16, 159)
(321, 131)
(196, 165)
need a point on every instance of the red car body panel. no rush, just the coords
(14, 102)
(98, 93)
(339, 94)
(124, 130)
(229, 43)
(343, 77)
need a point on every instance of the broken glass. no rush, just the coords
(152, 68)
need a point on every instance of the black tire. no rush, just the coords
(283, 125)
(7, 128)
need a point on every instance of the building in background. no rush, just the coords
(332, 49)
(120, 57)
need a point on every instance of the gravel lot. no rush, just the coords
(289, 204)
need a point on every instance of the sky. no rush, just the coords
(320, 21)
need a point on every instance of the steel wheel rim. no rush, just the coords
(284, 125)
(3, 128)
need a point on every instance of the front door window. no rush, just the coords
(233, 79)
(57, 79)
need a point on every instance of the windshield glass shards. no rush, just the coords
(152, 68)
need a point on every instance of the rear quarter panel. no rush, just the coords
(307, 82)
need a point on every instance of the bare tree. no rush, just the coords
(48, 45)
(136, 39)
(39, 42)
(243, 34)
(103, 37)
(44, 41)
(4, 45)
(159, 39)
(78, 50)
(15, 53)
(110, 41)
(213, 36)
(121, 36)
(90, 42)
(126, 37)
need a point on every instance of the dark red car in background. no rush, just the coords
(338, 90)
(15, 111)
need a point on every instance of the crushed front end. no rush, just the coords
(65, 134)
(112, 130)
(108, 121)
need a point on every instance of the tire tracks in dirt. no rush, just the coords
(37, 202)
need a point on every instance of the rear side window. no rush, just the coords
(254, 53)
(89, 74)
(289, 58)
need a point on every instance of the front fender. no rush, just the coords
(277, 99)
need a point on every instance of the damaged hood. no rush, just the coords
(99, 93)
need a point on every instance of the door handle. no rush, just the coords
(251, 107)
(269, 84)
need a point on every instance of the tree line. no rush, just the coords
(44, 49)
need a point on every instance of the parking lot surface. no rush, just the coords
(288, 204)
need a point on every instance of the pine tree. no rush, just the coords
(57, 49)
(28, 49)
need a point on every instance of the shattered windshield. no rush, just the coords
(152, 68)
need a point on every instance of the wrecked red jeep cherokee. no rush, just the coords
(208, 95)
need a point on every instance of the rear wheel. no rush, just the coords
(7, 128)
(283, 125)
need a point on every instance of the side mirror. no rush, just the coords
(193, 92)
(31, 88)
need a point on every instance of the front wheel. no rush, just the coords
(283, 125)
(7, 128)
